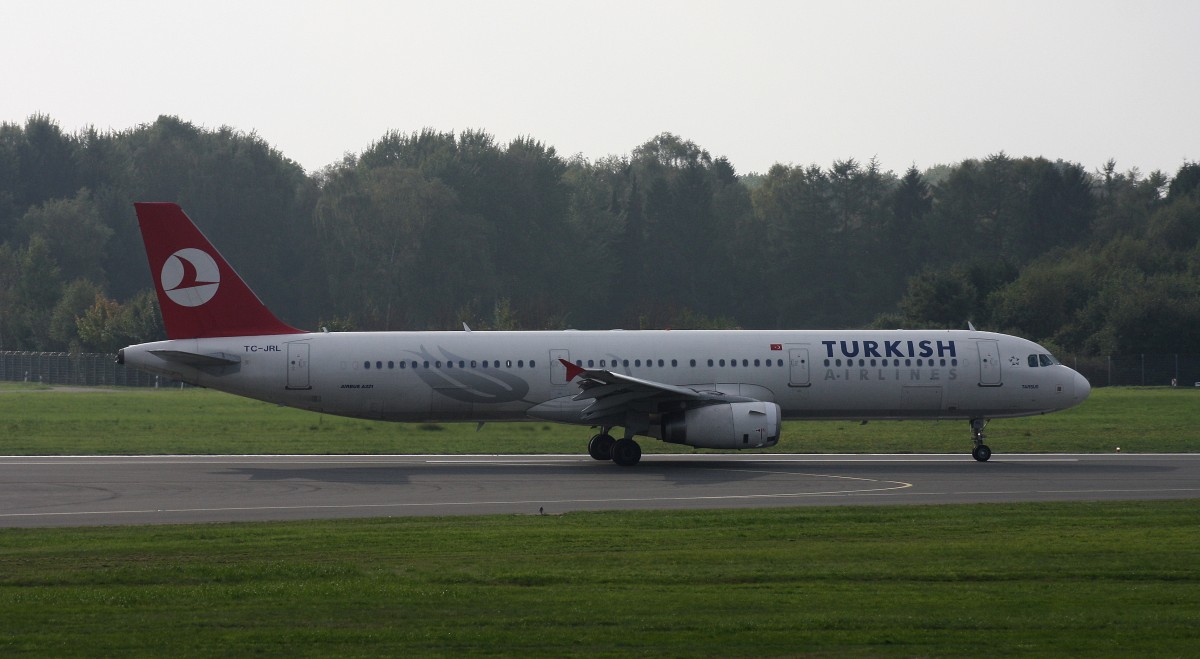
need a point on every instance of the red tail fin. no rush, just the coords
(199, 293)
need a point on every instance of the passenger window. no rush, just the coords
(391, 364)
(367, 365)
(710, 363)
(660, 363)
(521, 363)
(674, 363)
(591, 364)
(449, 364)
(693, 363)
(437, 364)
(472, 363)
(531, 364)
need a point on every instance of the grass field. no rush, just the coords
(199, 421)
(1061, 579)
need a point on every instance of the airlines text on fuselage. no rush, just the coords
(868, 348)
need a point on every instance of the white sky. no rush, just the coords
(919, 82)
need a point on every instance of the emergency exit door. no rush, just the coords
(798, 365)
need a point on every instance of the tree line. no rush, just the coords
(427, 230)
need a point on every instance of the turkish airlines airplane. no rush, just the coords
(721, 389)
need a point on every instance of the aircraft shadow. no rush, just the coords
(351, 474)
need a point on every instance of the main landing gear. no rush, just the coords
(624, 452)
(981, 452)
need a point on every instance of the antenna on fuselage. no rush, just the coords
(971, 326)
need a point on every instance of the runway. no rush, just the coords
(122, 490)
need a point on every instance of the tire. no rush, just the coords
(626, 452)
(600, 447)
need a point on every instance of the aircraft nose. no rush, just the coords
(1083, 388)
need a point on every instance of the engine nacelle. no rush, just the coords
(724, 425)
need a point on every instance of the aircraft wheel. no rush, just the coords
(626, 452)
(600, 446)
(981, 453)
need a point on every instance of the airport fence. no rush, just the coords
(72, 368)
(1142, 370)
(100, 369)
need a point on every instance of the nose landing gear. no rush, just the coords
(981, 452)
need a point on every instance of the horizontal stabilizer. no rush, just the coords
(197, 360)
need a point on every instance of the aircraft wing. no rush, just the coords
(614, 394)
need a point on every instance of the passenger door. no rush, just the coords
(989, 363)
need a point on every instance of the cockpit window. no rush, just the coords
(1043, 360)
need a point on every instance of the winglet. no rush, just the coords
(572, 369)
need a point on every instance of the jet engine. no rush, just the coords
(753, 424)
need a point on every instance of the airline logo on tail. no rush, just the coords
(190, 273)
(190, 277)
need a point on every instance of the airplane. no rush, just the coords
(716, 389)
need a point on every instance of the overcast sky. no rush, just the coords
(919, 82)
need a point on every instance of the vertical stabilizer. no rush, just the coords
(199, 293)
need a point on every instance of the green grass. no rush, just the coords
(198, 421)
(1078, 579)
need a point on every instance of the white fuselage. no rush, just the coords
(458, 376)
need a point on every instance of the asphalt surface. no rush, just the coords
(120, 490)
